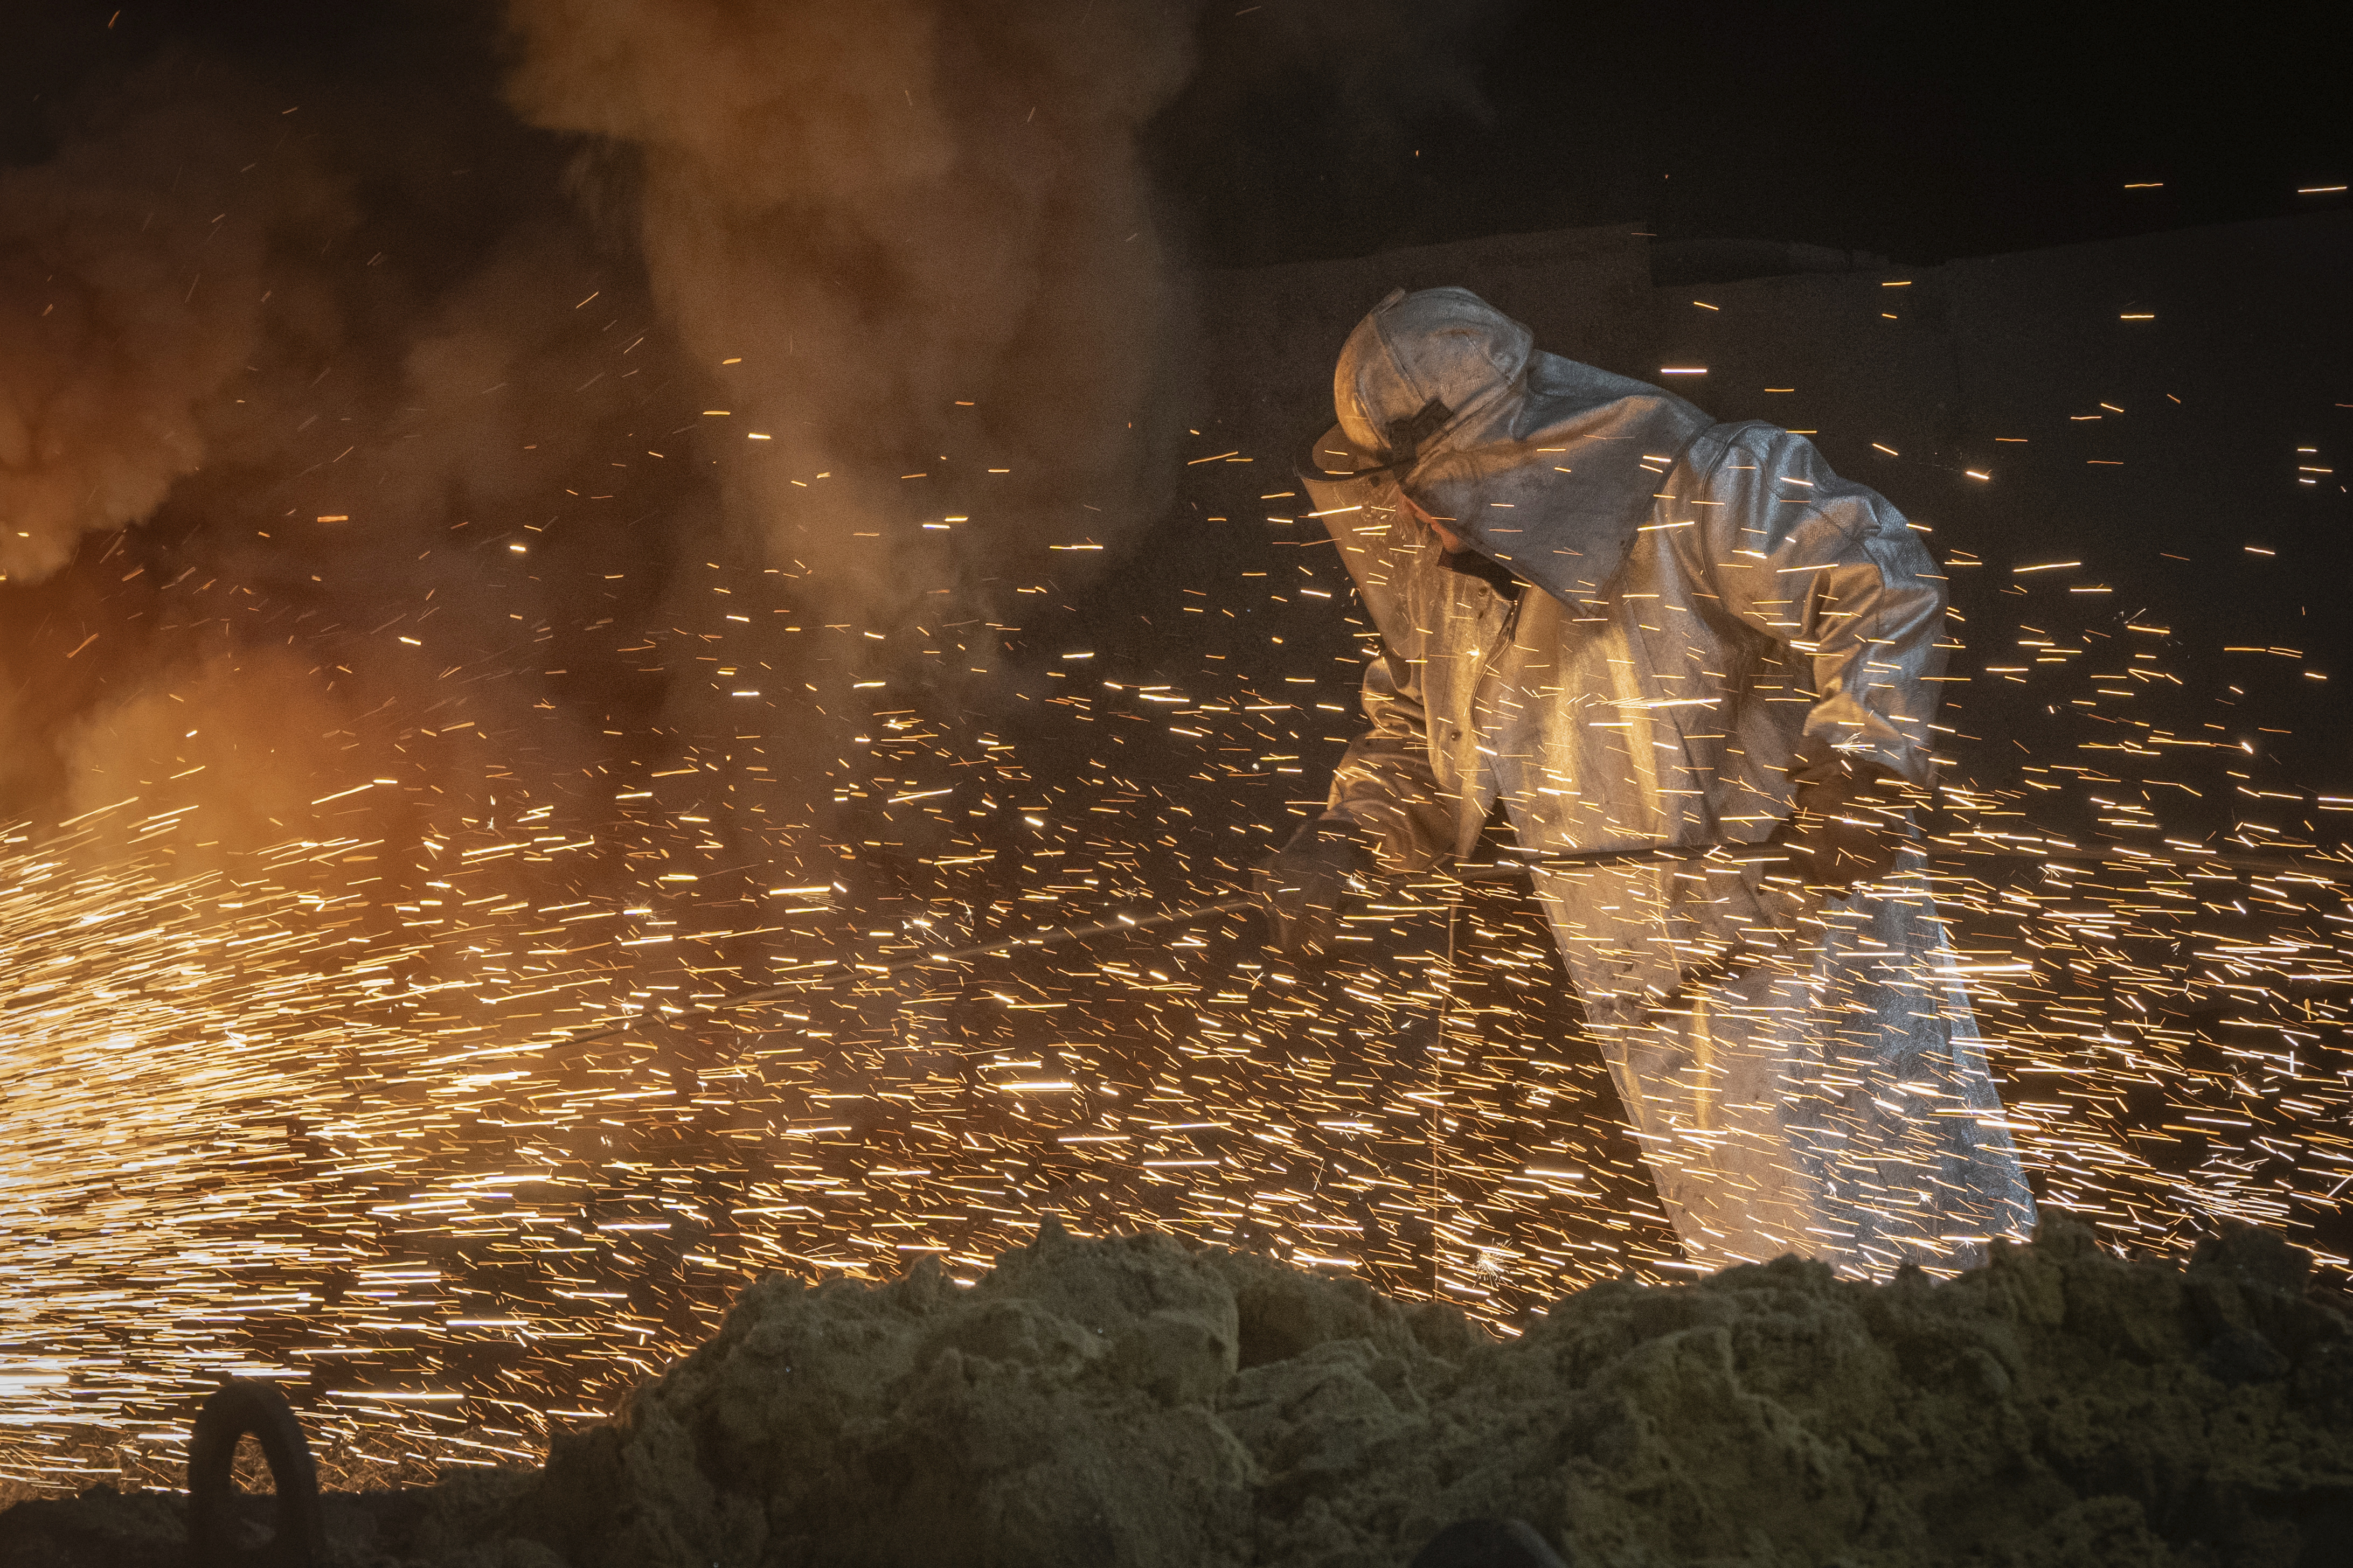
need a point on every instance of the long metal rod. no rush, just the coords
(1500, 871)
(2335, 871)
(1056, 937)
(1953, 850)
(1060, 936)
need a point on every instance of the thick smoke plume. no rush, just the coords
(328, 390)
(910, 238)
(279, 400)
(134, 272)
(378, 428)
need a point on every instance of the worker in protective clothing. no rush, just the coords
(1635, 627)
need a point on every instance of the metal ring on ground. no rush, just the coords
(236, 1407)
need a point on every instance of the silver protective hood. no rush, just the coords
(1544, 465)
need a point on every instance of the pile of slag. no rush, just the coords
(1133, 1402)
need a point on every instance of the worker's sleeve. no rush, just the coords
(1833, 570)
(1385, 786)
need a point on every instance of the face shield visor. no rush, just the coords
(1339, 475)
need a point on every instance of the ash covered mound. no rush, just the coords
(1132, 1402)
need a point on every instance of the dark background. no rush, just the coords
(1920, 134)
(1326, 128)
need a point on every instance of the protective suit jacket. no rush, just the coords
(1690, 617)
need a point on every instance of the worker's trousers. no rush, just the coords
(1827, 1099)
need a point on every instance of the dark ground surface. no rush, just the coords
(2060, 1409)
(106, 1529)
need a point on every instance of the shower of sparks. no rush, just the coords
(376, 1150)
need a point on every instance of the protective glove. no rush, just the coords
(1846, 828)
(1310, 885)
